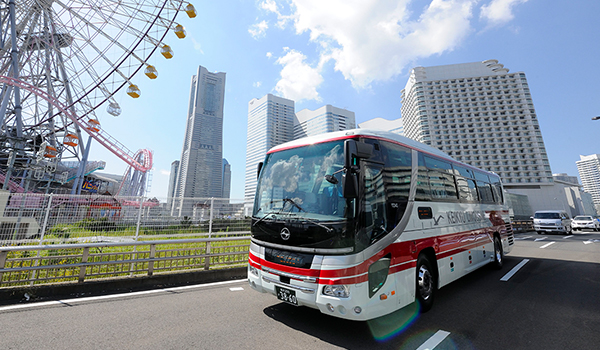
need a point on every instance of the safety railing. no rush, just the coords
(30, 218)
(77, 262)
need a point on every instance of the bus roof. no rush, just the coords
(355, 133)
(380, 134)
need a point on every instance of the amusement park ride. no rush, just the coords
(60, 61)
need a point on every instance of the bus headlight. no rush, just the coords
(254, 270)
(337, 291)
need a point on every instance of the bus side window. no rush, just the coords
(397, 179)
(441, 179)
(423, 190)
(374, 214)
(466, 189)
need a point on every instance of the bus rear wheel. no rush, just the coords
(498, 254)
(426, 283)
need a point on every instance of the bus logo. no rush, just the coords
(285, 234)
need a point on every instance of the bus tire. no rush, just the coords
(426, 283)
(498, 254)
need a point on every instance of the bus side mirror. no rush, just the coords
(354, 150)
(350, 184)
(258, 169)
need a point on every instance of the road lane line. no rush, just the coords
(588, 242)
(236, 289)
(565, 237)
(547, 245)
(521, 238)
(514, 270)
(434, 341)
(540, 239)
(114, 296)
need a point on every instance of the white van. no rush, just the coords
(552, 221)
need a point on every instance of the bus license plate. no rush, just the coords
(289, 296)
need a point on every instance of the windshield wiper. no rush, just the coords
(264, 217)
(301, 218)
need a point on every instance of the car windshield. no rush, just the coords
(583, 218)
(547, 216)
(292, 183)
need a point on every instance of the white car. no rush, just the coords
(552, 221)
(581, 222)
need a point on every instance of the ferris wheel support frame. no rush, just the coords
(14, 55)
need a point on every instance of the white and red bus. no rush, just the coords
(361, 223)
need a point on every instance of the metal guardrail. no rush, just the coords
(38, 264)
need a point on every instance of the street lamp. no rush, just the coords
(596, 117)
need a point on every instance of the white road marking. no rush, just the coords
(565, 237)
(520, 238)
(236, 289)
(588, 242)
(514, 270)
(547, 245)
(540, 239)
(434, 341)
(113, 296)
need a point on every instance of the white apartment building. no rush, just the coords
(480, 114)
(270, 123)
(395, 126)
(325, 119)
(589, 172)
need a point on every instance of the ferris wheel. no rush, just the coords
(62, 62)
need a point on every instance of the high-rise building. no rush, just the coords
(270, 123)
(173, 178)
(226, 179)
(589, 172)
(395, 126)
(201, 168)
(325, 119)
(480, 114)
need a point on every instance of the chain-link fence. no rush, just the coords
(27, 218)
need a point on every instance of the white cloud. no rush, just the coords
(270, 6)
(257, 84)
(165, 172)
(373, 40)
(269, 54)
(299, 80)
(498, 12)
(258, 30)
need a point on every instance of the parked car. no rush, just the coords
(581, 222)
(552, 221)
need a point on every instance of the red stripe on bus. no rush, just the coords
(404, 255)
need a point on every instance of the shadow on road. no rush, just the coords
(381, 333)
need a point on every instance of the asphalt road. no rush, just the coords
(551, 302)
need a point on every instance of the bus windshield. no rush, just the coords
(293, 182)
(296, 205)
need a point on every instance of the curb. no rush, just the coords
(21, 294)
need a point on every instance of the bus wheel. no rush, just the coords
(425, 283)
(498, 254)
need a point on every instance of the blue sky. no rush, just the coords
(356, 54)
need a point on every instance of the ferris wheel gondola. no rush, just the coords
(60, 61)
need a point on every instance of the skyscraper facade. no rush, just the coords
(589, 172)
(480, 114)
(226, 179)
(201, 168)
(270, 123)
(325, 119)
